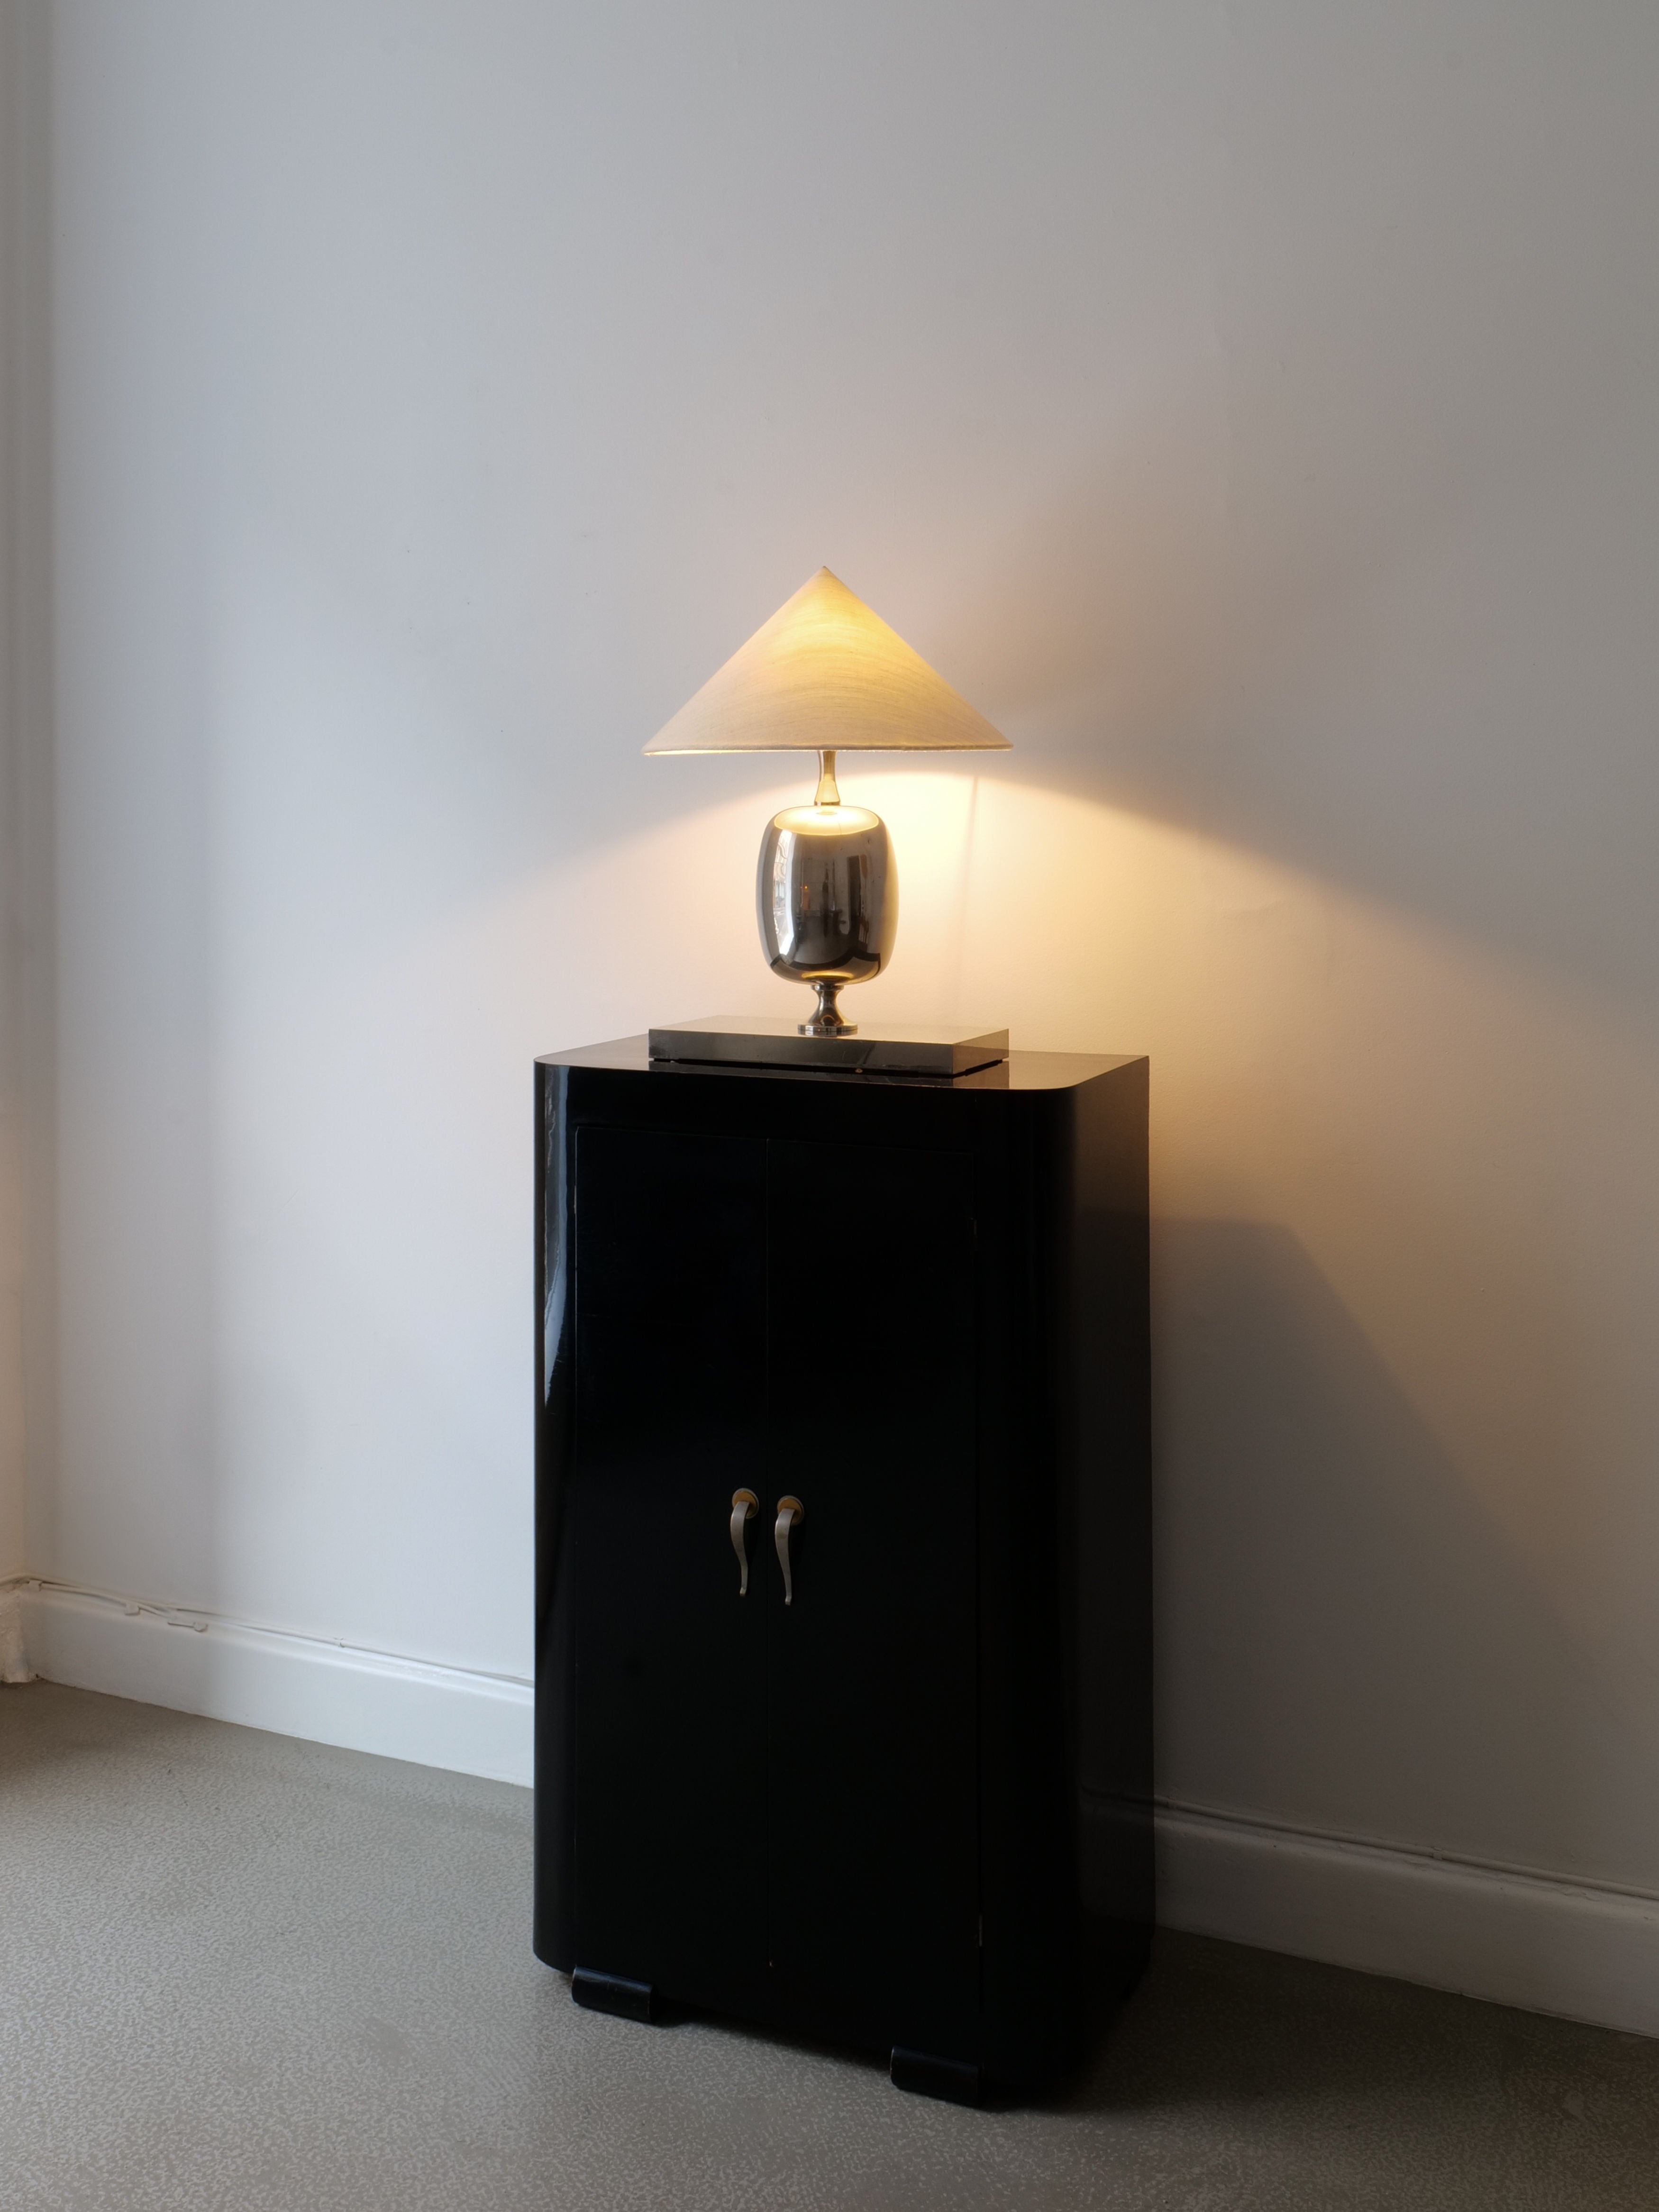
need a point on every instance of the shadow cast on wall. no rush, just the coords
(1347, 1639)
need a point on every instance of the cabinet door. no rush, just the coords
(671, 1337)
(873, 1875)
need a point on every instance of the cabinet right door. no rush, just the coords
(872, 1832)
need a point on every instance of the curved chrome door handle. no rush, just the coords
(790, 1511)
(744, 1506)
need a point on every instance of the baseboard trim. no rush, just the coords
(1516, 1937)
(266, 1678)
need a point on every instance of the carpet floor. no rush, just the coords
(245, 1973)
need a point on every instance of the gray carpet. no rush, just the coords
(245, 1972)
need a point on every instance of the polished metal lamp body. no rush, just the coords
(826, 893)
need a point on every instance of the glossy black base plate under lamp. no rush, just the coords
(756, 1041)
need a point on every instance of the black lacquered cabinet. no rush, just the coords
(901, 1798)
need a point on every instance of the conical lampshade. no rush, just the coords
(825, 674)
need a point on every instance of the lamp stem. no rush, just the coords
(828, 1020)
(828, 792)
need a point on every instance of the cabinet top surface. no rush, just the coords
(1021, 1071)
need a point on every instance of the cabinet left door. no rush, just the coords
(670, 1417)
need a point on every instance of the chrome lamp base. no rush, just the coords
(826, 897)
(827, 1022)
(826, 894)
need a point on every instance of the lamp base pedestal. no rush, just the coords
(759, 1041)
(827, 1022)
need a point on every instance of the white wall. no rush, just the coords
(1250, 409)
(25, 771)
(11, 1116)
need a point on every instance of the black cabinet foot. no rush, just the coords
(611, 1993)
(927, 2076)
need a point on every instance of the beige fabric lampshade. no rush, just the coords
(825, 673)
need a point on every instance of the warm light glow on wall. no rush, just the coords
(1324, 1066)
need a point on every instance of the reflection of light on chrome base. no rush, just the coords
(827, 1022)
(826, 894)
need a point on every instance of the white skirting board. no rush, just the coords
(1514, 1936)
(472, 1724)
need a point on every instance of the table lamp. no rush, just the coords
(826, 675)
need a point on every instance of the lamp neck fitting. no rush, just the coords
(829, 792)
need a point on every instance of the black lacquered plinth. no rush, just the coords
(870, 1761)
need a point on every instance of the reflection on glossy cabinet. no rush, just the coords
(842, 1636)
